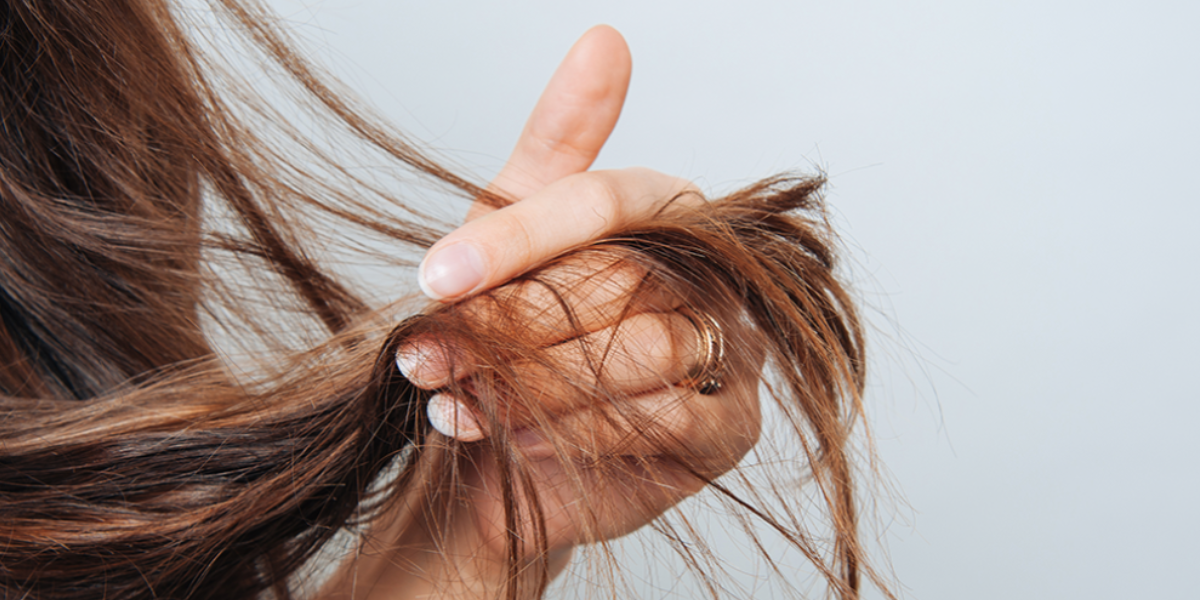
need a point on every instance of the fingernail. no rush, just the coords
(409, 360)
(451, 271)
(453, 419)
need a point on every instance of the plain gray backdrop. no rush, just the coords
(1016, 184)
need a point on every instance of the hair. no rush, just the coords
(150, 224)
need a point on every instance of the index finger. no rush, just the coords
(572, 119)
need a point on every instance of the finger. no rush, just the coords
(711, 433)
(585, 292)
(426, 361)
(504, 243)
(571, 121)
(643, 352)
(712, 429)
(607, 342)
(453, 418)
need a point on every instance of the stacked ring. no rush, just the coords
(705, 375)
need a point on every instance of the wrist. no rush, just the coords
(411, 555)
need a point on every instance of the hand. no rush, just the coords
(558, 206)
(611, 437)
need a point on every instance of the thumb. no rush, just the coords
(571, 121)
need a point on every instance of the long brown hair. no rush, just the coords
(148, 226)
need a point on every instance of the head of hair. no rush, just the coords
(149, 224)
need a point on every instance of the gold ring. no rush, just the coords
(705, 375)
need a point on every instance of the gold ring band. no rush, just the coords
(705, 375)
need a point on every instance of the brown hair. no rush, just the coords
(145, 216)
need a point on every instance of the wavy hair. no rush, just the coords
(150, 223)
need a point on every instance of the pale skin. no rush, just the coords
(560, 205)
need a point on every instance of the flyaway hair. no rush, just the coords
(149, 222)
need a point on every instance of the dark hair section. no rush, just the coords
(147, 223)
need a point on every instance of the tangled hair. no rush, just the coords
(150, 224)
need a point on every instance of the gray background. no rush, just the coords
(1015, 182)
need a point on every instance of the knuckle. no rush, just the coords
(687, 186)
(602, 199)
(649, 345)
(553, 142)
(689, 194)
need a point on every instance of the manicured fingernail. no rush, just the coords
(453, 419)
(413, 359)
(451, 271)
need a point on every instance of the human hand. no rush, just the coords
(559, 206)
(599, 391)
